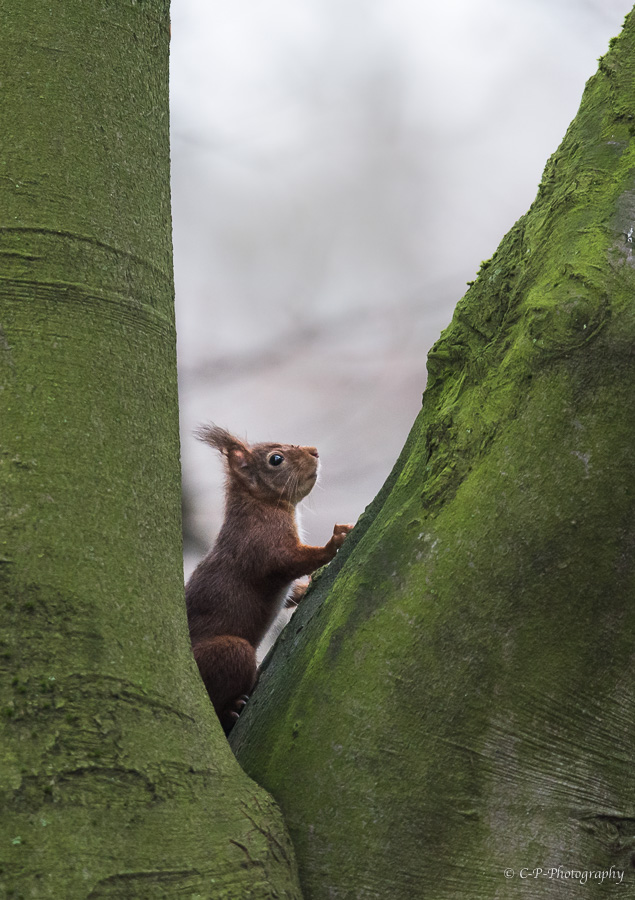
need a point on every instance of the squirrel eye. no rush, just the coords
(275, 459)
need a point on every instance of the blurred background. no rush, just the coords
(340, 169)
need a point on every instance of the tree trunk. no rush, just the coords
(456, 697)
(115, 777)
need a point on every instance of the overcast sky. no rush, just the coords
(340, 169)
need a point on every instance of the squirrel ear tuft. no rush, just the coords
(219, 438)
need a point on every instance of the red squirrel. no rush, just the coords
(237, 590)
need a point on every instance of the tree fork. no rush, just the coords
(456, 695)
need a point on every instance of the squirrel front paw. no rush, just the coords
(339, 535)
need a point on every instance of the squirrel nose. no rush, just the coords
(313, 452)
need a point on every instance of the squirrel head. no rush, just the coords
(269, 472)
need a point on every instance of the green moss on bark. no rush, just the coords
(456, 696)
(115, 777)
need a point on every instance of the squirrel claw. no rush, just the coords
(232, 714)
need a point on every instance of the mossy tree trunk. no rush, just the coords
(457, 695)
(115, 777)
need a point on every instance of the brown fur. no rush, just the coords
(236, 591)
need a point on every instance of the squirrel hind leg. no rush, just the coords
(228, 668)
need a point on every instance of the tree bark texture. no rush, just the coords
(456, 697)
(115, 777)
